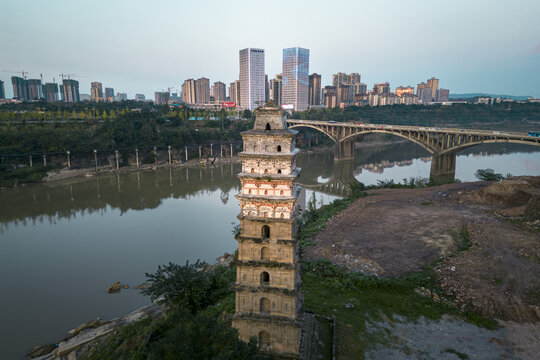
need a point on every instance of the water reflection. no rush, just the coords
(133, 191)
(320, 173)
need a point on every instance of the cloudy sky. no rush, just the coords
(137, 46)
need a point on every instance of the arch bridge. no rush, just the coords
(442, 143)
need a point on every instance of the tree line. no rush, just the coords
(505, 116)
(28, 128)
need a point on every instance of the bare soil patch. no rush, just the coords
(396, 231)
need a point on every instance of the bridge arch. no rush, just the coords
(315, 128)
(456, 149)
(381, 131)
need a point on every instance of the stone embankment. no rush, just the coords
(70, 173)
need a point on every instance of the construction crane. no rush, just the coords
(66, 75)
(24, 73)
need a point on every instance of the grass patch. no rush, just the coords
(328, 288)
(427, 202)
(13, 176)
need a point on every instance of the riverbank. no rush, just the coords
(470, 247)
(41, 173)
(430, 260)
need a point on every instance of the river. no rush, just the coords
(63, 243)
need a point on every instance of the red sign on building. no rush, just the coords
(228, 104)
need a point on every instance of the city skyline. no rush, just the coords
(478, 55)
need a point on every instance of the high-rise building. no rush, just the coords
(219, 92)
(266, 88)
(20, 88)
(330, 96)
(202, 91)
(433, 84)
(339, 79)
(424, 94)
(314, 89)
(400, 91)
(252, 88)
(109, 94)
(71, 90)
(96, 91)
(51, 92)
(381, 88)
(2, 90)
(295, 83)
(140, 97)
(234, 92)
(189, 92)
(359, 88)
(275, 89)
(442, 95)
(121, 96)
(269, 300)
(161, 97)
(354, 78)
(35, 90)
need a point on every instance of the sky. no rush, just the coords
(145, 46)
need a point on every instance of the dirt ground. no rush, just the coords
(396, 231)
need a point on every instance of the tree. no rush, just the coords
(488, 175)
(189, 286)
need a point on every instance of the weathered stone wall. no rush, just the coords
(269, 251)
(282, 337)
(280, 304)
(278, 230)
(279, 278)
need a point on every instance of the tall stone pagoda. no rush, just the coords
(269, 301)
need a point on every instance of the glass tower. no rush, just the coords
(295, 78)
(252, 84)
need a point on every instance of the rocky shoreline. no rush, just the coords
(80, 339)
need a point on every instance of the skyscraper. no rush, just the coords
(20, 88)
(275, 90)
(96, 91)
(219, 92)
(2, 90)
(433, 84)
(381, 88)
(234, 92)
(121, 96)
(109, 94)
(51, 92)
(314, 89)
(140, 97)
(202, 91)
(252, 88)
(295, 78)
(35, 90)
(71, 90)
(188, 91)
(161, 97)
(443, 95)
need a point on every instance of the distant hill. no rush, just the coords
(472, 95)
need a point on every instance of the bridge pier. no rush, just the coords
(344, 150)
(443, 168)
